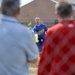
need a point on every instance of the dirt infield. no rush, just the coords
(33, 68)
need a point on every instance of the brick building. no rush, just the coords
(38, 8)
(45, 9)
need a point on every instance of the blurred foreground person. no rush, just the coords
(40, 31)
(17, 47)
(58, 57)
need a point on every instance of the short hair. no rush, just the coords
(37, 18)
(10, 7)
(64, 9)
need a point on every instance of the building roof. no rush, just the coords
(56, 1)
(45, 9)
(73, 1)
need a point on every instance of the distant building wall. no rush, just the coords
(45, 9)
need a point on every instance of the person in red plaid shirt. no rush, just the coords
(58, 56)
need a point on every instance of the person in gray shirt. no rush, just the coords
(17, 46)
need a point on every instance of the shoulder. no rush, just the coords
(21, 30)
(55, 28)
(44, 25)
(21, 27)
(35, 27)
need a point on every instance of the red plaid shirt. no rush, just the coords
(58, 56)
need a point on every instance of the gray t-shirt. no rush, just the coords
(16, 47)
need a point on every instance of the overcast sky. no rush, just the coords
(23, 2)
(73, 1)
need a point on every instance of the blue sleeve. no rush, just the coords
(46, 28)
(35, 30)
